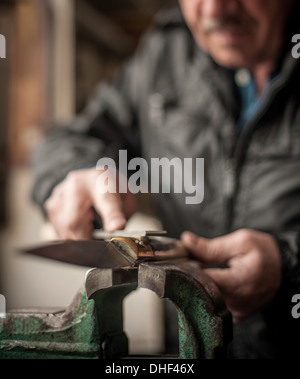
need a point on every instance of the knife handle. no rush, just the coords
(167, 248)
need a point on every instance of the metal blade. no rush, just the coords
(103, 235)
(100, 254)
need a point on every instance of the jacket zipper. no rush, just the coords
(235, 162)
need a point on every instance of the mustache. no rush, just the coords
(211, 25)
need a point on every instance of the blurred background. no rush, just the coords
(57, 51)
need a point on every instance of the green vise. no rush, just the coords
(92, 326)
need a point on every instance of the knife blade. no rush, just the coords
(99, 254)
(117, 252)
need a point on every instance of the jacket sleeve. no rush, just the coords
(108, 124)
(289, 247)
(278, 314)
(111, 120)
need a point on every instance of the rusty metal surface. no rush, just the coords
(68, 334)
(108, 288)
(92, 326)
(100, 279)
(205, 326)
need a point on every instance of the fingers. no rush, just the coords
(253, 274)
(222, 277)
(113, 207)
(215, 251)
(110, 208)
(69, 213)
(70, 207)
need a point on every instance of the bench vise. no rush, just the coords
(92, 325)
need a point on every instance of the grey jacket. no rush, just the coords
(172, 100)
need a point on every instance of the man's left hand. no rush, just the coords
(253, 274)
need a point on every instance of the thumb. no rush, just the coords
(214, 251)
(224, 279)
(110, 208)
(107, 201)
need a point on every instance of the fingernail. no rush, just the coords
(189, 238)
(115, 224)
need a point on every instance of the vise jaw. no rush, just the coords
(92, 326)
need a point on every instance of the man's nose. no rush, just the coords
(219, 8)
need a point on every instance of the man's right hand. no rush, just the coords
(70, 208)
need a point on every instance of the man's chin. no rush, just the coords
(230, 58)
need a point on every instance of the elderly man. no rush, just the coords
(214, 80)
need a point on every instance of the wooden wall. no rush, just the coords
(6, 12)
(37, 85)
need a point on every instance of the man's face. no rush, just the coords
(238, 33)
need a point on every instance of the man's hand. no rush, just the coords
(70, 208)
(253, 276)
